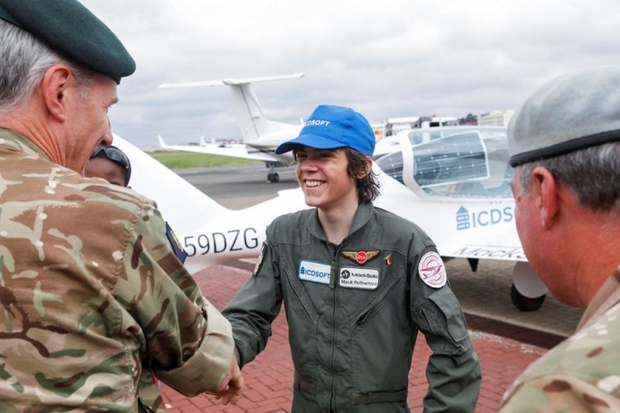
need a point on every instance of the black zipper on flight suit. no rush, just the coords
(335, 250)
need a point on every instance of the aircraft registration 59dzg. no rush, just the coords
(454, 182)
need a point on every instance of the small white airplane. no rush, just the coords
(453, 182)
(260, 136)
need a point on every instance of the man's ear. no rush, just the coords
(366, 170)
(55, 85)
(544, 187)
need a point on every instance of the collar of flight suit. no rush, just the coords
(362, 216)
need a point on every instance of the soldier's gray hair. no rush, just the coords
(24, 63)
(592, 173)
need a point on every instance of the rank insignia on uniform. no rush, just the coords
(388, 260)
(361, 257)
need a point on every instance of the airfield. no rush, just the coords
(505, 339)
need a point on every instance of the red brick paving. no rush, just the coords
(269, 378)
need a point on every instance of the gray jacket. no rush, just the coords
(354, 311)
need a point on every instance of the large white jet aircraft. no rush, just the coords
(453, 182)
(260, 136)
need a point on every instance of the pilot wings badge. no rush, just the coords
(361, 257)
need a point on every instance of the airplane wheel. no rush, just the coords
(270, 177)
(524, 303)
(275, 177)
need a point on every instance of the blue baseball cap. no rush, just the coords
(331, 127)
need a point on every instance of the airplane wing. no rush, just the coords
(237, 151)
(230, 81)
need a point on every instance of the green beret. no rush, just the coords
(73, 31)
(568, 113)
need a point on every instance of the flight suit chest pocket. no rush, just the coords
(295, 294)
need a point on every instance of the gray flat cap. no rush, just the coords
(73, 31)
(570, 112)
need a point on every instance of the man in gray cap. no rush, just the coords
(565, 145)
(94, 299)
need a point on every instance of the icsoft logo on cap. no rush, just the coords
(318, 122)
(331, 127)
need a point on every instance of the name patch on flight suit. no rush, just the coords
(315, 272)
(362, 278)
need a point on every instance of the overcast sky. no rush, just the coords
(385, 58)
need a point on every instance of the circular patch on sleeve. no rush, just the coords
(432, 270)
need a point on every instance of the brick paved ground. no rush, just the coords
(269, 378)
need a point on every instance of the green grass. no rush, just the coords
(182, 160)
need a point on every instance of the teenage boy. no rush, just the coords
(358, 283)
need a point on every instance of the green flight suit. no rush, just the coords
(354, 311)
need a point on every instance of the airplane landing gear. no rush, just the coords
(272, 176)
(524, 303)
(528, 292)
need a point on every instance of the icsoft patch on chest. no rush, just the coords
(314, 272)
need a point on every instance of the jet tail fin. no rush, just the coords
(162, 144)
(251, 117)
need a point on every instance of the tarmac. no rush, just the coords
(505, 339)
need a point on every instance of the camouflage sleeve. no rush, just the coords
(186, 341)
(580, 374)
(211, 362)
(558, 392)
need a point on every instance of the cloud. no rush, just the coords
(385, 59)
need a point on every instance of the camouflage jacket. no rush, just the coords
(91, 292)
(582, 374)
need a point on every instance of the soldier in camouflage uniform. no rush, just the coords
(92, 293)
(564, 143)
(111, 164)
